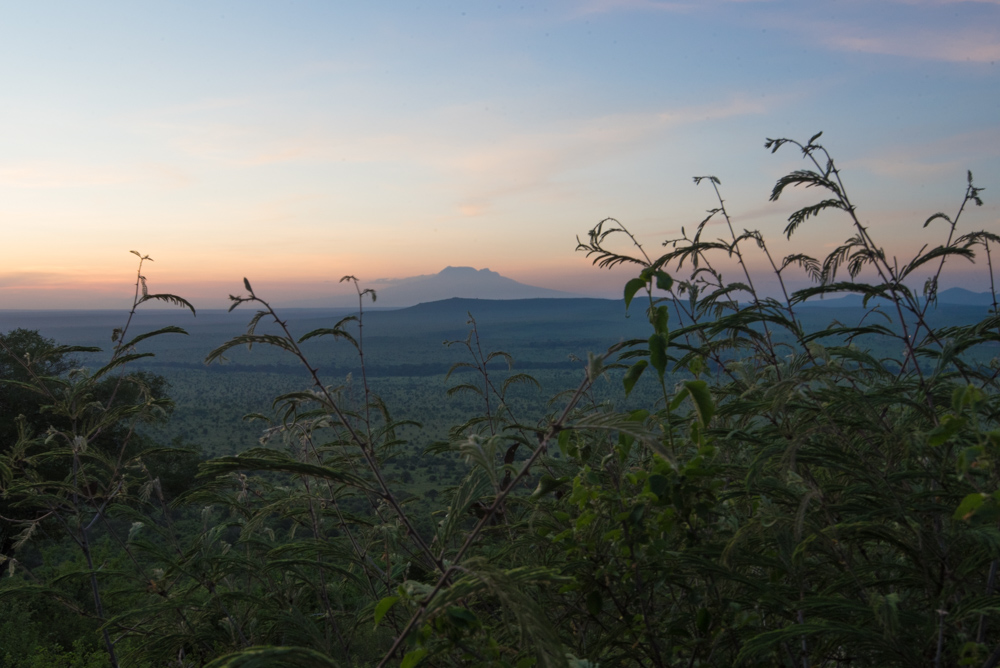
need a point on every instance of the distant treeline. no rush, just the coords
(391, 370)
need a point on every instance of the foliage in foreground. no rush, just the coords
(798, 501)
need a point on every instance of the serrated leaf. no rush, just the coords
(262, 459)
(519, 378)
(506, 357)
(163, 330)
(464, 387)
(119, 361)
(937, 216)
(249, 340)
(335, 332)
(171, 299)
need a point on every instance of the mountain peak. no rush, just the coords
(462, 282)
(465, 271)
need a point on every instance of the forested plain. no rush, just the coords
(695, 475)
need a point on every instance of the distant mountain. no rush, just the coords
(951, 296)
(462, 282)
(963, 297)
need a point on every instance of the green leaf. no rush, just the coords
(465, 387)
(595, 366)
(658, 318)
(413, 658)
(633, 374)
(632, 287)
(383, 607)
(171, 299)
(635, 517)
(519, 378)
(262, 459)
(506, 357)
(547, 483)
(658, 485)
(563, 440)
(970, 504)
(462, 618)
(679, 398)
(703, 620)
(595, 603)
(702, 398)
(658, 353)
(267, 657)
(249, 340)
(335, 332)
(664, 281)
(950, 425)
(163, 330)
(963, 397)
(119, 361)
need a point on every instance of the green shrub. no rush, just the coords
(808, 493)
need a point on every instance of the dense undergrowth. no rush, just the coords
(796, 501)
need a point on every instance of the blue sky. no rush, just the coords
(295, 143)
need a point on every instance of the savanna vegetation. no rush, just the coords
(764, 489)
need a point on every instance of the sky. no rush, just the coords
(297, 142)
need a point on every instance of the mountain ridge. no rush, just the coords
(952, 296)
(458, 282)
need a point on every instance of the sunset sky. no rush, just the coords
(297, 142)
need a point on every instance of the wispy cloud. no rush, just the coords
(236, 144)
(605, 6)
(44, 279)
(203, 105)
(965, 45)
(483, 158)
(471, 210)
(940, 157)
(946, 2)
(963, 38)
(924, 30)
(170, 175)
(524, 162)
(67, 175)
(18, 279)
(46, 175)
(897, 166)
